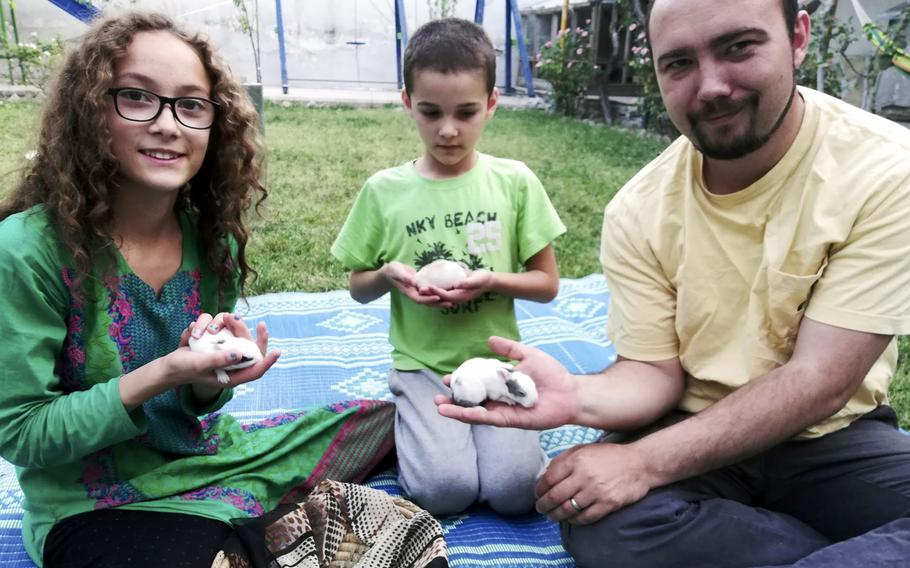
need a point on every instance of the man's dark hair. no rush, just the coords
(449, 45)
(790, 7)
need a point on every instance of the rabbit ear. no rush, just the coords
(515, 389)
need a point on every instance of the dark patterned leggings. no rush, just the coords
(135, 539)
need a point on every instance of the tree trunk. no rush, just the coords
(639, 11)
(824, 45)
(812, 6)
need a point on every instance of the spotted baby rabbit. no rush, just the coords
(480, 379)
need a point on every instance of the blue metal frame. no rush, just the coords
(508, 51)
(513, 17)
(401, 39)
(281, 52)
(522, 49)
(83, 10)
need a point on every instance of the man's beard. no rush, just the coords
(750, 141)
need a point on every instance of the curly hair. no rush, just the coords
(74, 171)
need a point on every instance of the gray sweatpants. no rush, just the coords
(445, 465)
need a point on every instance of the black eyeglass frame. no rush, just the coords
(162, 100)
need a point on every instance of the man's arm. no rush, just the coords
(630, 394)
(828, 365)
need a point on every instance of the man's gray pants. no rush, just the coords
(445, 465)
(839, 501)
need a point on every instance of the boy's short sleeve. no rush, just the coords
(538, 222)
(359, 244)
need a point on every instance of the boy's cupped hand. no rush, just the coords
(403, 276)
(466, 289)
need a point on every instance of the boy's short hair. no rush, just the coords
(450, 45)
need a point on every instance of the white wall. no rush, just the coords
(316, 33)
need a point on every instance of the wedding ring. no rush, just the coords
(575, 504)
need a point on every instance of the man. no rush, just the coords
(759, 271)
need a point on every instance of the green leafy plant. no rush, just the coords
(566, 63)
(441, 8)
(824, 67)
(629, 17)
(245, 23)
(34, 60)
(650, 104)
(897, 29)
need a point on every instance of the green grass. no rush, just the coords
(319, 158)
(899, 392)
(19, 123)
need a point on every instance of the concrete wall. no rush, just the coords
(317, 34)
(845, 11)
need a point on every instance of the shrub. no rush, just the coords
(33, 62)
(824, 68)
(566, 63)
(650, 105)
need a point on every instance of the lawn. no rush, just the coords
(319, 157)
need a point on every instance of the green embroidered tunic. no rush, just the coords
(62, 422)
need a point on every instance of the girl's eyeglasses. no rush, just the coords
(140, 105)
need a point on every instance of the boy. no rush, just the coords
(452, 203)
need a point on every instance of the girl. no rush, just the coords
(125, 233)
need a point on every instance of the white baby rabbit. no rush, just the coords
(479, 379)
(224, 340)
(442, 274)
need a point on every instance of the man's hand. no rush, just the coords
(601, 478)
(556, 402)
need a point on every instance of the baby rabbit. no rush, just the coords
(479, 379)
(442, 274)
(224, 340)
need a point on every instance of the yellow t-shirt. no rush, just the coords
(722, 281)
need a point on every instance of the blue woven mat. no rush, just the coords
(335, 349)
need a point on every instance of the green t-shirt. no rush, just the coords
(496, 216)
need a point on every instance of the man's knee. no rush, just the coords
(598, 545)
(642, 534)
